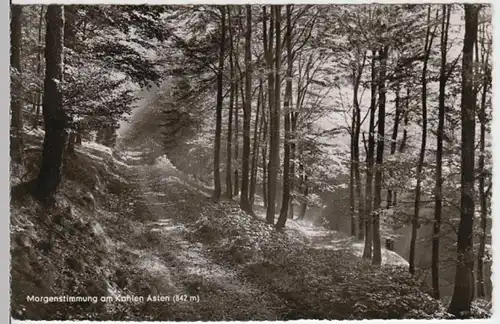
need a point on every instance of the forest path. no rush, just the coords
(181, 265)
(175, 247)
(322, 238)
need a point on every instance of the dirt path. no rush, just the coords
(168, 207)
(179, 266)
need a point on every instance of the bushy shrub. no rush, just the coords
(385, 292)
(481, 309)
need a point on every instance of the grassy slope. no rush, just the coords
(137, 229)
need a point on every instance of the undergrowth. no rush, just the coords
(103, 238)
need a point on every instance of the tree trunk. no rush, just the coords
(352, 198)
(236, 190)
(285, 202)
(483, 197)
(438, 189)
(293, 116)
(16, 126)
(357, 174)
(264, 162)
(274, 115)
(38, 94)
(394, 138)
(367, 252)
(218, 117)
(256, 141)
(402, 146)
(464, 283)
(54, 116)
(420, 165)
(71, 143)
(229, 171)
(377, 203)
(267, 44)
(247, 116)
(237, 164)
(359, 194)
(303, 205)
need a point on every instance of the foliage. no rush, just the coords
(105, 63)
(156, 67)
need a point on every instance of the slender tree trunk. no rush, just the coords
(355, 177)
(305, 192)
(352, 198)
(274, 116)
(247, 116)
(264, 161)
(359, 194)
(287, 116)
(402, 146)
(377, 203)
(464, 282)
(357, 132)
(38, 94)
(54, 116)
(438, 189)
(218, 117)
(236, 190)
(394, 138)
(483, 199)
(70, 148)
(229, 171)
(238, 87)
(256, 143)
(267, 45)
(262, 136)
(367, 252)
(16, 126)
(293, 116)
(420, 165)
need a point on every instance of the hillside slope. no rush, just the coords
(125, 228)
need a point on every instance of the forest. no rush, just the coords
(251, 162)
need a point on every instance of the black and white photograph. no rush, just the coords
(251, 161)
